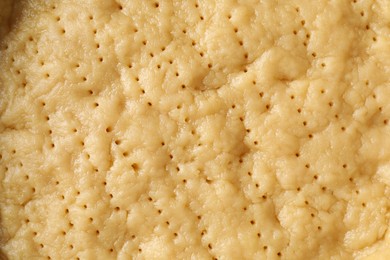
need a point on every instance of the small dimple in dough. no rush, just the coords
(194, 129)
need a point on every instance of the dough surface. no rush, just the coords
(195, 129)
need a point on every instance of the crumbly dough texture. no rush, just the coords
(195, 129)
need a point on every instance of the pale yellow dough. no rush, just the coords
(195, 129)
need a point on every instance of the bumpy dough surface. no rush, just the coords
(195, 129)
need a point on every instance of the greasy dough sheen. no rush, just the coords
(195, 129)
